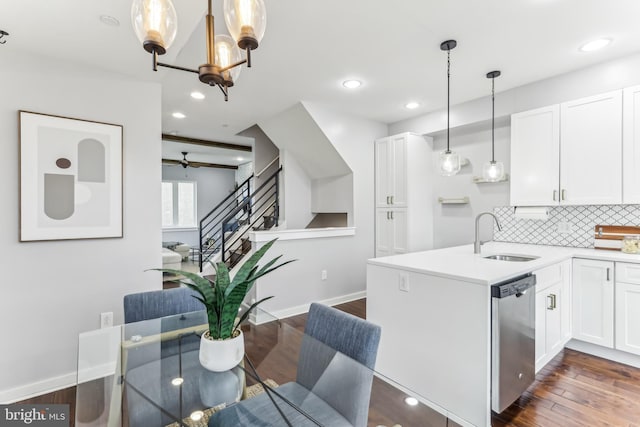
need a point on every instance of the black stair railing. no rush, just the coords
(211, 224)
(231, 224)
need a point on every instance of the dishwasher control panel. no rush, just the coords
(513, 287)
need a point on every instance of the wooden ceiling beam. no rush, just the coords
(205, 143)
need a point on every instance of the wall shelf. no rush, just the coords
(453, 200)
(481, 180)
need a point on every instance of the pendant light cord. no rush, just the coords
(493, 118)
(448, 95)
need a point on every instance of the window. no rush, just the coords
(179, 204)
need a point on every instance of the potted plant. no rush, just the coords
(222, 345)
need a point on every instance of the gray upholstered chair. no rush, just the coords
(145, 364)
(155, 304)
(332, 388)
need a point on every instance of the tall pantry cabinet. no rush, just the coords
(403, 202)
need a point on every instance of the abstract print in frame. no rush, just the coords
(70, 178)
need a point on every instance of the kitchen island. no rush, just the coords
(435, 311)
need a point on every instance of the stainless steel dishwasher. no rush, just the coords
(513, 340)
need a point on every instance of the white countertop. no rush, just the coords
(461, 263)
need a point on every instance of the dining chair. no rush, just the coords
(333, 381)
(155, 304)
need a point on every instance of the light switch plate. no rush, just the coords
(403, 283)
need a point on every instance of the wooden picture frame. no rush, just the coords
(70, 178)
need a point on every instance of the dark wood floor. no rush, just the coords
(574, 389)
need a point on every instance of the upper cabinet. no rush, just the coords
(591, 150)
(568, 154)
(535, 157)
(631, 146)
(391, 171)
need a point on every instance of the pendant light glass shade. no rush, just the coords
(449, 163)
(493, 171)
(227, 53)
(246, 21)
(155, 23)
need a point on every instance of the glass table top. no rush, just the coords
(148, 374)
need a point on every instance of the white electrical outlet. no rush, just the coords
(565, 227)
(323, 275)
(403, 283)
(106, 319)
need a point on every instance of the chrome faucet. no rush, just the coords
(477, 243)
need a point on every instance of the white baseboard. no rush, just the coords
(38, 388)
(605, 353)
(304, 308)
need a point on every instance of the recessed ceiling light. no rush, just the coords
(197, 95)
(411, 105)
(109, 20)
(411, 401)
(178, 115)
(177, 381)
(239, 159)
(595, 45)
(351, 84)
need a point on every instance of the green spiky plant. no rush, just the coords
(222, 298)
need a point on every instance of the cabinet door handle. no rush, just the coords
(608, 273)
(563, 195)
(388, 215)
(391, 214)
(388, 200)
(555, 194)
(391, 199)
(551, 298)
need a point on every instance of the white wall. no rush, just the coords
(454, 224)
(295, 201)
(213, 185)
(343, 257)
(54, 290)
(333, 195)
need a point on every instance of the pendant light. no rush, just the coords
(449, 162)
(493, 171)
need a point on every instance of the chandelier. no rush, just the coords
(155, 24)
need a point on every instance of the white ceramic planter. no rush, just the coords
(221, 355)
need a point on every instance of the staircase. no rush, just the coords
(224, 232)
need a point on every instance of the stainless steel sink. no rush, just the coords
(513, 258)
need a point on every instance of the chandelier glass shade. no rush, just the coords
(155, 23)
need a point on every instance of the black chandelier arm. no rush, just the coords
(225, 92)
(222, 70)
(175, 67)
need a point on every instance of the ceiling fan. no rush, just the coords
(188, 164)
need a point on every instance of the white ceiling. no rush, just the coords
(311, 46)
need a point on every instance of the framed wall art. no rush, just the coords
(70, 178)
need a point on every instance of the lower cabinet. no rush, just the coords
(553, 311)
(593, 301)
(391, 232)
(627, 307)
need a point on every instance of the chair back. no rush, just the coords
(338, 380)
(155, 304)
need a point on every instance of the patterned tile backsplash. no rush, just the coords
(583, 220)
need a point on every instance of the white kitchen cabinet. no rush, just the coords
(627, 307)
(391, 170)
(591, 150)
(568, 154)
(631, 146)
(553, 307)
(404, 212)
(391, 231)
(535, 161)
(593, 301)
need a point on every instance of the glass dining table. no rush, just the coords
(148, 374)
